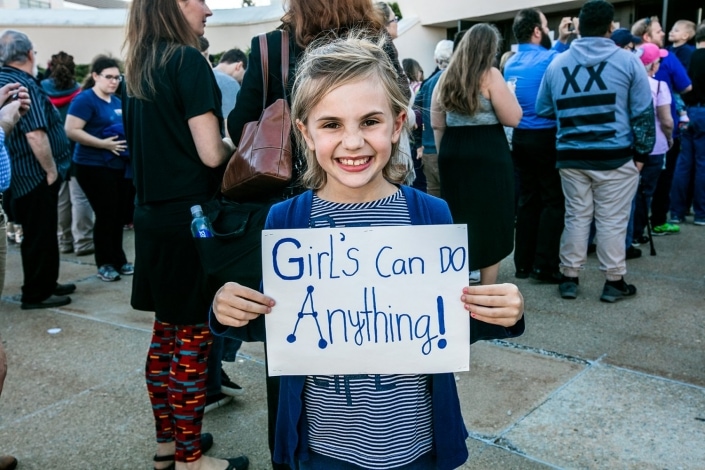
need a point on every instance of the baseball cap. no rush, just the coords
(651, 52)
(623, 36)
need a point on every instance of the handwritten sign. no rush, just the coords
(366, 300)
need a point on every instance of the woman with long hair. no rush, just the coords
(469, 106)
(173, 128)
(94, 122)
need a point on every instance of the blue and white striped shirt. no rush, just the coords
(5, 170)
(27, 173)
(373, 421)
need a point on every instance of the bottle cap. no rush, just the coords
(196, 210)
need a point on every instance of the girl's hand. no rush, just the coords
(236, 305)
(114, 145)
(498, 304)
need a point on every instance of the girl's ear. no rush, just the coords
(398, 126)
(307, 137)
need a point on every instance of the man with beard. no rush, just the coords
(40, 157)
(540, 212)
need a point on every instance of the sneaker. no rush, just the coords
(127, 269)
(665, 229)
(631, 253)
(238, 463)
(216, 401)
(700, 222)
(676, 220)
(474, 277)
(228, 387)
(617, 290)
(642, 240)
(65, 249)
(108, 274)
(85, 251)
(568, 287)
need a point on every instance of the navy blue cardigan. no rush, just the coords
(291, 441)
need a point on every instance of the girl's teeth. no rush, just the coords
(356, 162)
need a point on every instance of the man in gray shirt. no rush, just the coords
(228, 73)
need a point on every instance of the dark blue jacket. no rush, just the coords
(291, 441)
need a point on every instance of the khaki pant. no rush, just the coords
(430, 170)
(75, 214)
(608, 195)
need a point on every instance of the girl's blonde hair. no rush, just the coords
(328, 65)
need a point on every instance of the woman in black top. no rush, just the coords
(173, 129)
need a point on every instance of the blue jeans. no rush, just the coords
(647, 185)
(321, 462)
(691, 160)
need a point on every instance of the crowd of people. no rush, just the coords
(590, 141)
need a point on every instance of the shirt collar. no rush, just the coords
(531, 47)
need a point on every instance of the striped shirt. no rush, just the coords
(27, 173)
(373, 421)
(5, 171)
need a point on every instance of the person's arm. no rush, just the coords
(665, 120)
(564, 33)
(504, 102)
(74, 128)
(212, 150)
(14, 103)
(39, 143)
(3, 366)
(438, 117)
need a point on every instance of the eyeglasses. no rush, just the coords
(117, 78)
(393, 20)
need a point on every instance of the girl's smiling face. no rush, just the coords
(351, 130)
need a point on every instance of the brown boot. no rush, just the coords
(8, 462)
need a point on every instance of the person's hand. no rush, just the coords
(670, 142)
(7, 92)
(52, 176)
(236, 305)
(639, 166)
(114, 145)
(10, 114)
(419, 153)
(565, 29)
(498, 304)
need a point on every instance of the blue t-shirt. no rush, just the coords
(99, 115)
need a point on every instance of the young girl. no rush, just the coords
(350, 114)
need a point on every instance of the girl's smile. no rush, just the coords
(351, 130)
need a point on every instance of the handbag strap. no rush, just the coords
(264, 59)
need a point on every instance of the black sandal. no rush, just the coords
(206, 444)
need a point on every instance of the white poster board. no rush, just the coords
(366, 300)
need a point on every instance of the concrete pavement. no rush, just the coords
(590, 385)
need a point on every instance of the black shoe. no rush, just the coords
(632, 253)
(85, 252)
(215, 401)
(546, 277)
(617, 290)
(64, 289)
(522, 273)
(568, 287)
(642, 240)
(238, 463)
(51, 302)
(228, 387)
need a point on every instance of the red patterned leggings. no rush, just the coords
(176, 381)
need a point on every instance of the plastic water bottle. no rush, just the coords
(200, 225)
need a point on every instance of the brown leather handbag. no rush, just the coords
(262, 164)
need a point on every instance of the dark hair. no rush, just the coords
(63, 71)
(596, 18)
(232, 56)
(307, 19)
(412, 69)
(524, 24)
(99, 64)
(203, 44)
(457, 38)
